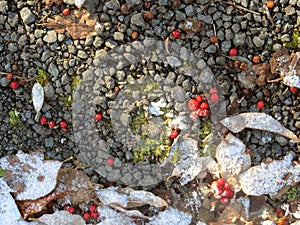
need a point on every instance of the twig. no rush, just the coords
(267, 11)
(276, 80)
(240, 7)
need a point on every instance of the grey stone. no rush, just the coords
(189, 10)
(245, 3)
(239, 39)
(226, 45)
(82, 54)
(49, 91)
(173, 61)
(290, 10)
(228, 34)
(134, 2)
(3, 7)
(111, 44)
(235, 27)
(211, 49)
(138, 20)
(118, 36)
(12, 47)
(27, 16)
(49, 142)
(163, 2)
(206, 19)
(50, 37)
(45, 55)
(4, 82)
(65, 79)
(281, 140)
(98, 42)
(204, 43)
(285, 38)
(69, 2)
(53, 70)
(178, 94)
(244, 24)
(258, 42)
(13, 19)
(112, 4)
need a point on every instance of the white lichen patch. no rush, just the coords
(231, 157)
(170, 217)
(62, 218)
(270, 178)
(29, 175)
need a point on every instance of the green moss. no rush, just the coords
(2, 172)
(14, 116)
(150, 87)
(42, 77)
(67, 100)
(291, 194)
(206, 129)
(175, 156)
(294, 43)
(138, 120)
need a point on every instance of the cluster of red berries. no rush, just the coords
(174, 133)
(92, 213)
(222, 191)
(51, 124)
(199, 106)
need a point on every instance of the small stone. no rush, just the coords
(226, 45)
(49, 91)
(189, 10)
(173, 61)
(118, 36)
(277, 47)
(281, 140)
(13, 19)
(113, 4)
(3, 7)
(50, 37)
(290, 10)
(82, 55)
(53, 70)
(4, 82)
(49, 142)
(211, 49)
(258, 42)
(285, 38)
(239, 39)
(27, 16)
(138, 20)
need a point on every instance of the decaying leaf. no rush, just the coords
(62, 218)
(279, 61)
(263, 72)
(29, 175)
(260, 121)
(129, 198)
(231, 157)
(270, 178)
(79, 25)
(78, 185)
(37, 98)
(171, 216)
(30, 207)
(192, 26)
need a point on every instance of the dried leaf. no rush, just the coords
(263, 72)
(37, 98)
(30, 207)
(129, 198)
(79, 25)
(270, 178)
(280, 60)
(62, 218)
(192, 26)
(260, 121)
(231, 157)
(27, 173)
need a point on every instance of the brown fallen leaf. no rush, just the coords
(79, 25)
(280, 59)
(260, 121)
(263, 72)
(191, 26)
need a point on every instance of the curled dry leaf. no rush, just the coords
(27, 173)
(129, 198)
(231, 157)
(79, 25)
(279, 61)
(263, 72)
(260, 121)
(192, 26)
(270, 178)
(37, 98)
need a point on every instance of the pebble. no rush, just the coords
(138, 20)
(27, 16)
(49, 142)
(258, 42)
(82, 54)
(239, 39)
(50, 37)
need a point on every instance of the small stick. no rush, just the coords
(276, 80)
(267, 11)
(240, 7)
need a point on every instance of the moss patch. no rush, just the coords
(14, 116)
(42, 77)
(295, 41)
(2, 172)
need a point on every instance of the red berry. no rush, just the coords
(260, 104)
(86, 215)
(214, 97)
(63, 124)
(14, 85)
(203, 112)
(216, 187)
(233, 52)
(43, 120)
(294, 90)
(174, 133)
(94, 215)
(98, 117)
(256, 59)
(110, 162)
(204, 105)
(66, 11)
(227, 186)
(71, 209)
(213, 90)
(116, 89)
(199, 98)
(93, 208)
(51, 124)
(221, 182)
(193, 185)
(224, 200)
(176, 33)
(193, 104)
(9, 76)
(230, 193)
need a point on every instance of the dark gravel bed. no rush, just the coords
(78, 82)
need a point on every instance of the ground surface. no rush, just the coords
(33, 51)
